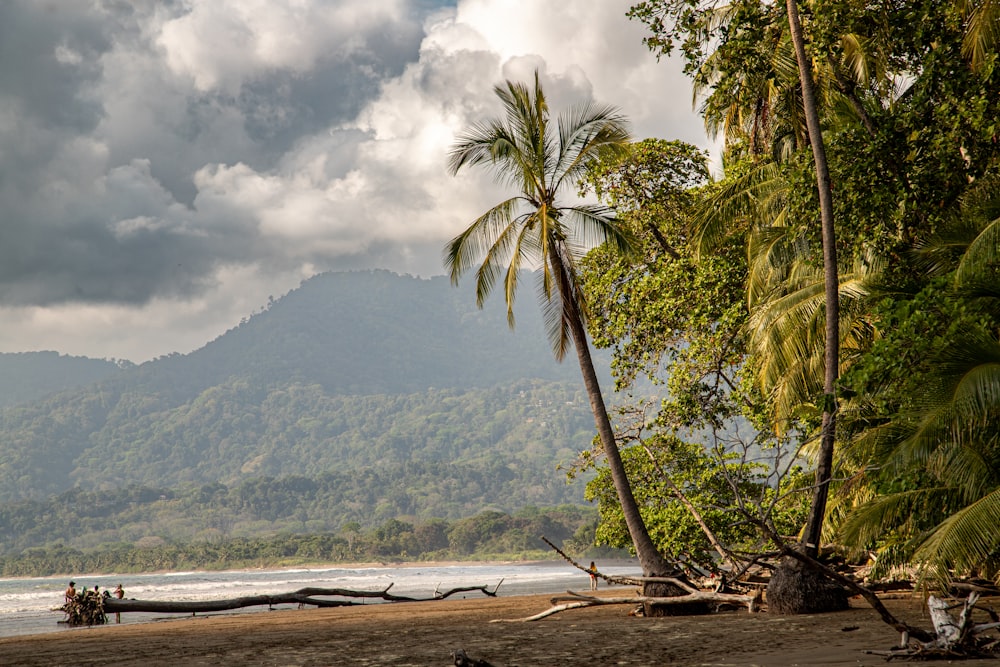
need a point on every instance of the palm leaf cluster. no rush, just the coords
(534, 229)
(949, 431)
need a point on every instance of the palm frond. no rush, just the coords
(585, 132)
(966, 466)
(595, 225)
(982, 31)
(755, 199)
(965, 541)
(503, 252)
(786, 332)
(981, 259)
(555, 289)
(866, 523)
(466, 249)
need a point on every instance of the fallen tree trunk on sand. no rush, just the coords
(688, 599)
(579, 601)
(303, 596)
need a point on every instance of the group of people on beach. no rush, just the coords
(78, 602)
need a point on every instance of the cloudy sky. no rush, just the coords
(166, 167)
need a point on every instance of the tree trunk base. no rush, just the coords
(665, 590)
(796, 589)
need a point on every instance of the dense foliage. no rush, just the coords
(304, 461)
(236, 430)
(909, 103)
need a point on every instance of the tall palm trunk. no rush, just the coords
(792, 589)
(650, 559)
(824, 464)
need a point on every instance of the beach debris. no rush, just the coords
(462, 659)
(85, 607)
(956, 637)
(687, 598)
(574, 600)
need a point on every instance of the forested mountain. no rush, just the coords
(359, 376)
(362, 333)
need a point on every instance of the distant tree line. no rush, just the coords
(487, 535)
(84, 519)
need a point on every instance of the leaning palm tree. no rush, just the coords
(535, 229)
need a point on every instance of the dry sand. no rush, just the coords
(426, 633)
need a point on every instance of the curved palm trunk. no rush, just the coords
(653, 563)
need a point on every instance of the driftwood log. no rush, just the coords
(85, 608)
(317, 597)
(688, 594)
(579, 601)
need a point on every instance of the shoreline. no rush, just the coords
(32, 604)
(367, 565)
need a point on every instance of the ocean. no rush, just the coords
(26, 605)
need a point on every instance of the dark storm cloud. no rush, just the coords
(104, 126)
(165, 166)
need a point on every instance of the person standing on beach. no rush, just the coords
(593, 575)
(119, 593)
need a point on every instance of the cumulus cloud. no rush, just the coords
(165, 167)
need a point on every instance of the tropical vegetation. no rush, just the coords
(906, 98)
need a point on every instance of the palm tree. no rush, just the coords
(534, 228)
(792, 589)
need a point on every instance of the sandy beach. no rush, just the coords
(426, 633)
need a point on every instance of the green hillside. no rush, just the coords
(381, 395)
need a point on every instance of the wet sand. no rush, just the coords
(426, 633)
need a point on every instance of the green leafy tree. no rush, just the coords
(678, 316)
(524, 150)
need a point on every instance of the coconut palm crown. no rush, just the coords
(534, 229)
